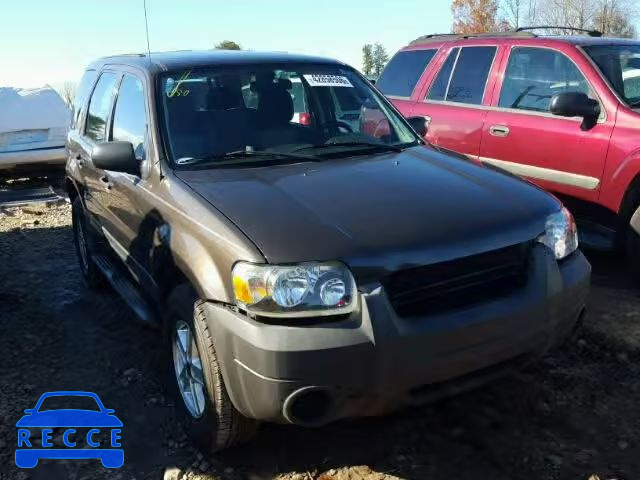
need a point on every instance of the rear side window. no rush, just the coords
(100, 106)
(468, 79)
(534, 75)
(438, 90)
(130, 115)
(82, 94)
(400, 76)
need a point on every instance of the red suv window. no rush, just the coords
(534, 75)
(402, 73)
(438, 90)
(464, 75)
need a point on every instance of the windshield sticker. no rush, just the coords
(327, 81)
(178, 90)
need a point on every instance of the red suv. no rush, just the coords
(563, 112)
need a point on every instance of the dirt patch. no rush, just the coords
(573, 415)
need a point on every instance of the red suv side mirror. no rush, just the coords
(419, 124)
(576, 104)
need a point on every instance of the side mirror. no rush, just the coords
(109, 411)
(29, 411)
(116, 157)
(576, 104)
(419, 124)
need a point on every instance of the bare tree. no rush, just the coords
(519, 13)
(567, 13)
(68, 92)
(531, 12)
(611, 17)
(615, 17)
(512, 12)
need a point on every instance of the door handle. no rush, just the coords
(106, 181)
(499, 130)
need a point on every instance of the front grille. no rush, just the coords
(458, 283)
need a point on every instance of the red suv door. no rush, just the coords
(453, 102)
(522, 136)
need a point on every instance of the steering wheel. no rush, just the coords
(338, 124)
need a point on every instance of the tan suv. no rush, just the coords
(306, 271)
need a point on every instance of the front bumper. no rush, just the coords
(375, 361)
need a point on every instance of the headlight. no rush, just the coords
(561, 234)
(303, 290)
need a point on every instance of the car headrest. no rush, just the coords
(285, 83)
(275, 106)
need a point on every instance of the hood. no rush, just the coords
(382, 212)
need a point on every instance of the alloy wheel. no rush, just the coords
(188, 370)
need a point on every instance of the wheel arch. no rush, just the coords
(73, 190)
(620, 186)
(631, 198)
(628, 205)
(187, 261)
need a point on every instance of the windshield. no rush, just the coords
(213, 114)
(621, 65)
(65, 402)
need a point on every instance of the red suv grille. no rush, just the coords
(458, 283)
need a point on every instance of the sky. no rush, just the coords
(50, 42)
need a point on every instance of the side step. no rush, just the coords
(127, 291)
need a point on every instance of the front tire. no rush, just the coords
(81, 240)
(202, 398)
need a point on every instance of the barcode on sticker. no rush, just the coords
(327, 81)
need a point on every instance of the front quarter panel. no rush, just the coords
(623, 159)
(204, 245)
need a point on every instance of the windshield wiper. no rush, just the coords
(370, 145)
(270, 154)
(230, 157)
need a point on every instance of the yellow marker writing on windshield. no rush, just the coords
(176, 91)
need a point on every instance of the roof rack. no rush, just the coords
(591, 33)
(460, 36)
(518, 32)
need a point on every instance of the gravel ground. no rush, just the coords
(572, 416)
